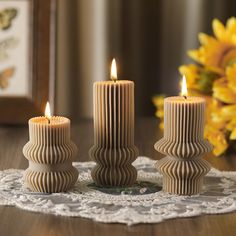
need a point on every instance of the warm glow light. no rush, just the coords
(48, 112)
(184, 91)
(113, 70)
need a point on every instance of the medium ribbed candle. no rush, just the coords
(114, 148)
(50, 153)
(183, 143)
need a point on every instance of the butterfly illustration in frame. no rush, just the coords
(5, 76)
(6, 17)
(6, 45)
(26, 78)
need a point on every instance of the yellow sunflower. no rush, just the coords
(199, 80)
(217, 52)
(215, 125)
(214, 78)
(224, 89)
(216, 138)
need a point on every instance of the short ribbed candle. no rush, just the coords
(114, 148)
(183, 143)
(50, 153)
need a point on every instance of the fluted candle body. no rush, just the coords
(50, 153)
(114, 148)
(184, 144)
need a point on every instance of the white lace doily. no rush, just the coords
(144, 203)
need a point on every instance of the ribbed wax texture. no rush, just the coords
(57, 132)
(49, 143)
(183, 143)
(114, 114)
(184, 121)
(50, 152)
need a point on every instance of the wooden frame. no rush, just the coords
(17, 110)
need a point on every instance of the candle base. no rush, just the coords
(114, 168)
(183, 176)
(183, 169)
(50, 182)
(44, 176)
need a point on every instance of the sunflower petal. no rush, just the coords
(233, 39)
(231, 77)
(217, 139)
(233, 135)
(219, 29)
(228, 111)
(231, 25)
(206, 39)
(222, 92)
(231, 125)
(195, 55)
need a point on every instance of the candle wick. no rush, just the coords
(185, 96)
(113, 79)
(48, 120)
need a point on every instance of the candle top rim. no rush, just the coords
(188, 99)
(54, 120)
(108, 82)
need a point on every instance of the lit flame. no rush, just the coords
(48, 112)
(113, 70)
(184, 91)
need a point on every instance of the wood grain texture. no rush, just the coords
(13, 138)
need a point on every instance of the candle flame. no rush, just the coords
(184, 91)
(113, 70)
(48, 112)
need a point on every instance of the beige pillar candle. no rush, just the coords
(50, 153)
(184, 144)
(114, 148)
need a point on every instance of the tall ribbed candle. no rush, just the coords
(50, 153)
(114, 148)
(183, 143)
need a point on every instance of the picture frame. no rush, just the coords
(33, 67)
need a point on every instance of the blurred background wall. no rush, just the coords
(148, 38)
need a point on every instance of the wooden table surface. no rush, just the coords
(14, 221)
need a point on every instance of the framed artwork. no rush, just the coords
(27, 58)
